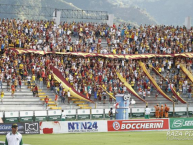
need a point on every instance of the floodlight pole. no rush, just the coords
(173, 109)
(187, 109)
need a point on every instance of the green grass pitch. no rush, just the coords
(110, 138)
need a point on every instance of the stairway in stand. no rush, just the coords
(81, 103)
(42, 93)
(22, 100)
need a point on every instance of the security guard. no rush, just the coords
(14, 137)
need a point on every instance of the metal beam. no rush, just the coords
(84, 14)
(48, 12)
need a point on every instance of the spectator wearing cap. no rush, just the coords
(14, 137)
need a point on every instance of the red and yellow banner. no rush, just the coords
(123, 56)
(172, 89)
(177, 96)
(188, 74)
(110, 95)
(129, 88)
(157, 73)
(153, 81)
(58, 76)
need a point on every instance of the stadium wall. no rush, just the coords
(56, 127)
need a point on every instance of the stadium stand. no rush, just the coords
(88, 56)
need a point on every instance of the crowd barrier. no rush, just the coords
(84, 114)
(55, 127)
(115, 125)
(23, 128)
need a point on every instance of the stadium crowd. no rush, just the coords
(91, 76)
(121, 39)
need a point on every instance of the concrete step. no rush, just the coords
(52, 105)
(79, 102)
(21, 103)
(22, 87)
(48, 98)
(82, 105)
(19, 97)
(47, 92)
(42, 96)
(75, 99)
(85, 107)
(19, 93)
(51, 102)
(21, 100)
(20, 107)
(55, 108)
(41, 93)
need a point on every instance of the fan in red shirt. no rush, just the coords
(46, 101)
(20, 84)
(56, 99)
(12, 90)
(36, 90)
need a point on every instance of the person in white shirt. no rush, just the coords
(63, 116)
(14, 137)
(147, 112)
(184, 85)
(68, 96)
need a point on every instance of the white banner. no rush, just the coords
(83, 111)
(97, 111)
(73, 127)
(70, 112)
(26, 113)
(190, 108)
(138, 110)
(1, 114)
(40, 113)
(171, 109)
(107, 111)
(54, 112)
(180, 109)
(11, 114)
(152, 109)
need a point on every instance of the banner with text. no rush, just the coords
(72, 127)
(23, 128)
(138, 125)
(181, 123)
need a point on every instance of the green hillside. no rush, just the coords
(122, 13)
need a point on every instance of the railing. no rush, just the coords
(84, 114)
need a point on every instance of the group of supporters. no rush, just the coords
(120, 39)
(162, 111)
(92, 75)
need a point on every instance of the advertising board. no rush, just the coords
(138, 125)
(72, 127)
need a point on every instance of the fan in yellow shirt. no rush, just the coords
(21, 66)
(33, 78)
(2, 95)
